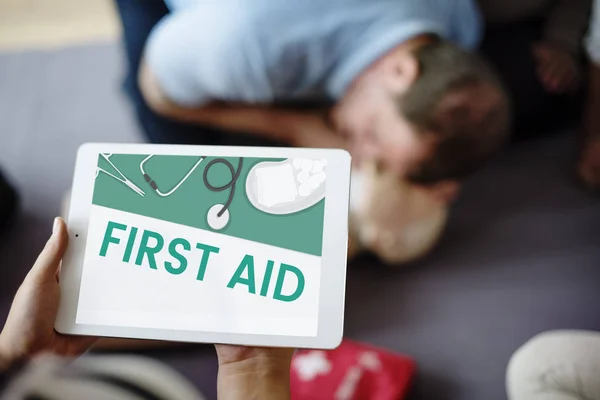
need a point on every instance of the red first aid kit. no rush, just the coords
(353, 371)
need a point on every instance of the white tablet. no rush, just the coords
(238, 245)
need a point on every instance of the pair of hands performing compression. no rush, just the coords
(244, 373)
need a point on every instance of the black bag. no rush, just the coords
(8, 204)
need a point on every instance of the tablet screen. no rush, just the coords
(205, 244)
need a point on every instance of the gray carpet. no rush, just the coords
(520, 256)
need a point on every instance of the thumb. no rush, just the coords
(47, 262)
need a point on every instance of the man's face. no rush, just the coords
(378, 132)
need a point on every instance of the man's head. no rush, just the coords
(428, 111)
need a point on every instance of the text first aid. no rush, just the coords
(178, 246)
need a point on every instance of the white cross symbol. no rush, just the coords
(367, 360)
(370, 361)
(312, 364)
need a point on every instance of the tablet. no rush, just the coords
(236, 245)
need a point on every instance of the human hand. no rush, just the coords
(557, 69)
(253, 372)
(588, 167)
(29, 329)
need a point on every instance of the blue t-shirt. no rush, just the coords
(260, 51)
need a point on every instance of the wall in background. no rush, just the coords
(43, 24)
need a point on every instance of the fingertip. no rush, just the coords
(59, 225)
(60, 229)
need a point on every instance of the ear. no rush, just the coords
(445, 192)
(400, 71)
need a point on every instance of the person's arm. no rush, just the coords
(253, 373)
(559, 50)
(588, 166)
(567, 24)
(297, 128)
(592, 112)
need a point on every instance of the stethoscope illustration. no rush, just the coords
(153, 184)
(123, 179)
(218, 215)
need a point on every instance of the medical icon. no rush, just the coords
(277, 188)
(153, 184)
(218, 215)
(288, 186)
(123, 179)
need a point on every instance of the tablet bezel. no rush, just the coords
(334, 258)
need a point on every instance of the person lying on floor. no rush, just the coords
(408, 92)
(29, 338)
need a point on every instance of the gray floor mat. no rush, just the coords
(521, 254)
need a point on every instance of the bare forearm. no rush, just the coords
(296, 128)
(265, 122)
(256, 120)
(261, 384)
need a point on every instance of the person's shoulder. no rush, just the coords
(466, 23)
(179, 5)
(453, 12)
(224, 21)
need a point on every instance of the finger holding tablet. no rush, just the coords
(29, 328)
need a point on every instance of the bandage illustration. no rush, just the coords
(286, 187)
